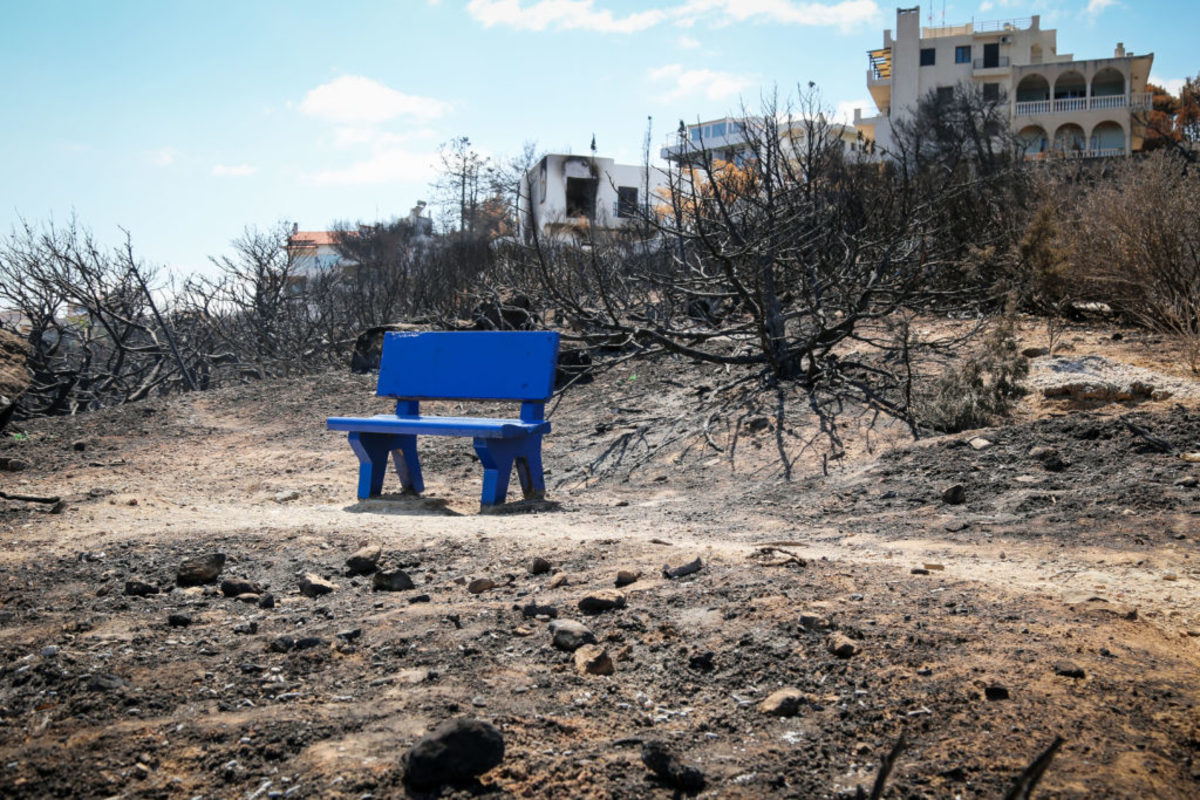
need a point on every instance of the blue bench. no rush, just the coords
(477, 365)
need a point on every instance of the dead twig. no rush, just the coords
(1160, 444)
(1023, 788)
(885, 770)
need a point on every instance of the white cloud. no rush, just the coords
(1094, 7)
(388, 165)
(541, 15)
(164, 156)
(355, 99)
(687, 43)
(1172, 85)
(710, 84)
(237, 171)
(559, 15)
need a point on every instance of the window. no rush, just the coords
(927, 56)
(962, 54)
(991, 92)
(718, 129)
(627, 201)
(945, 95)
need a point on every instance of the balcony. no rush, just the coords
(1092, 152)
(1139, 101)
(993, 63)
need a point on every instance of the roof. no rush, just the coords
(312, 238)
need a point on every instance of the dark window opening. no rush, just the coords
(962, 54)
(991, 55)
(991, 92)
(581, 197)
(927, 56)
(627, 201)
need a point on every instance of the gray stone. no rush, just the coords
(570, 635)
(1069, 669)
(365, 559)
(668, 767)
(200, 570)
(313, 585)
(287, 496)
(454, 752)
(266, 600)
(481, 585)
(179, 620)
(533, 609)
(539, 566)
(687, 569)
(955, 495)
(391, 580)
(234, 586)
(995, 692)
(137, 588)
(602, 600)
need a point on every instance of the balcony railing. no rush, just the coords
(1063, 105)
(1000, 25)
(997, 63)
(1091, 152)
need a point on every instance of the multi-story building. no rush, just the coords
(563, 196)
(1057, 105)
(730, 139)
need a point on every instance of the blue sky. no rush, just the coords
(185, 121)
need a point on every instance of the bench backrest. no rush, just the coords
(475, 365)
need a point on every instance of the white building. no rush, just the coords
(563, 196)
(1057, 105)
(729, 139)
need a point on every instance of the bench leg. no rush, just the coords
(372, 451)
(408, 465)
(529, 469)
(498, 457)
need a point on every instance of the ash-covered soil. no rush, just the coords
(1054, 593)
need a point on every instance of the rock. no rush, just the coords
(1049, 458)
(1092, 605)
(50, 651)
(980, 443)
(15, 375)
(282, 644)
(419, 598)
(1069, 669)
(13, 464)
(481, 585)
(539, 566)
(350, 634)
(105, 682)
(919, 571)
(454, 752)
(1035, 352)
(626, 577)
(841, 645)
(248, 597)
(287, 496)
(79, 445)
(179, 620)
(602, 600)
(200, 570)
(137, 588)
(670, 769)
(570, 635)
(313, 585)
(392, 580)
(365, 559)
(812, 621)
(266, 600)
(533, 609)
(955, 495)
(1188, 481)
(309, 642)
(558, 580)
(246, 628)
(235, 586)
(687, 569)
(592, 659)
(702, 661)
(956, 526)
(995, 692)
(783, 703)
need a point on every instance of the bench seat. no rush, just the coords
(477, 427)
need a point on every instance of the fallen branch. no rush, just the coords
(1160, 444)
(885, 770)
(30, 498)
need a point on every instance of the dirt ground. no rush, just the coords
(1057, 597)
